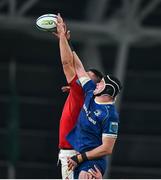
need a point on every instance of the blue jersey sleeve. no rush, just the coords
(110, 126)
(89, 86)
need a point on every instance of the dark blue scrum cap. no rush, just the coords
(113, 86)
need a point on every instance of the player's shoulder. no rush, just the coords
(113, 111)
(108, 112)
(89, 86)
(75, 83)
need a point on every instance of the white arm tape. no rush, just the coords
(109, 135)
(84, 80)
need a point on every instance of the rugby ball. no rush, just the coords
(46, 22)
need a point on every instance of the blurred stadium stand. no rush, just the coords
(116, 36)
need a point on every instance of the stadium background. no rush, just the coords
(116, 36)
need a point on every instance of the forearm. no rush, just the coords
(65, 51)
(99, 152)
(102, 150)
(93, 154)
(79, 68)
(96, 153)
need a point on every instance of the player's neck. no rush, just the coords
(104, 99)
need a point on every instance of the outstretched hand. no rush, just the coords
(61, 28)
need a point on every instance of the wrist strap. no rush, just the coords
(84, 157)
(79, 158)
(75, 158)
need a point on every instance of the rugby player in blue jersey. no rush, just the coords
(95, 133)
(96, 130)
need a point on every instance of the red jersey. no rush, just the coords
(70, 112)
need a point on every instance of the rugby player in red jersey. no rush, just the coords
(74, 100)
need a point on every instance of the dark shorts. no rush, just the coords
(85, 166)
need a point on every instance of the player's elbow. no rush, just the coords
(107, 151)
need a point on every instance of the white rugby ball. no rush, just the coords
(46, 22)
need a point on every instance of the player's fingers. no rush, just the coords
(73, 168)
(68, 160)
(55, 34)
(69, 164)
(60, 26)
(90, 176)
(92, 172)
(70, 167)
(85, 176)
(65, 27)
(60, 19)
(55, 22)
(96, 168)
(59, 15)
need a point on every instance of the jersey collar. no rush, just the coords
(110, 102)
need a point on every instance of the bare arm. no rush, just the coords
(105, 149)
(102, 150)
(79, 68)
(66, 58)
(65, 50)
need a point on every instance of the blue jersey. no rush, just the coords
(94, 121)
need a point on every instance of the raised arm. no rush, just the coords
(65, 50)
(79, 68)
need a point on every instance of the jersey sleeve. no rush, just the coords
(110, 127)
(87, 84)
